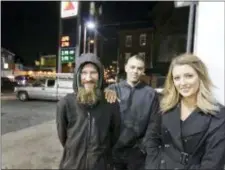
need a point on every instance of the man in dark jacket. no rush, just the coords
(88, 126)
(137, 102)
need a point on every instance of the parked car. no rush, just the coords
(45, 89)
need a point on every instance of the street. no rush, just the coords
(29, 137)
(17, 115)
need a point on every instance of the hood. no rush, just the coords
(80, 62)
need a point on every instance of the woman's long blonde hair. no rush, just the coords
(205, 99)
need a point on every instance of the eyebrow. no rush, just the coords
(135, 66)
(183, 74)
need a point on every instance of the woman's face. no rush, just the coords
(186, 80)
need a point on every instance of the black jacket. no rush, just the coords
(87, 134)
(137, 104)
(196, 143)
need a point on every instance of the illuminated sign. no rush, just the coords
(48, 60)
(67, 55)
(69, 9)
(65, 38)
(65, 41)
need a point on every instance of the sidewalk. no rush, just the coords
(35, 147)
(5, 96)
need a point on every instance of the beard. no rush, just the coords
(88, 97)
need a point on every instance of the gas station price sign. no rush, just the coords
(65, 41)
(68, 54)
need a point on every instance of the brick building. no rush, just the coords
(135, 41)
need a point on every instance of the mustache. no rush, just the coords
(90, 81)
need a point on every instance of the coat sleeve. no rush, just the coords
(115, 124)
(214, 157)
(111, 87)
(153, 123)
(61, 121)
(152, 140)
(115, 131)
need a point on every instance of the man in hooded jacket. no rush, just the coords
(88, 126)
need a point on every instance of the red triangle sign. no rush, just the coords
(69, 6)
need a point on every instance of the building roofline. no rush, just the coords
(4, 49)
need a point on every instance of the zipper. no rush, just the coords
(128, 106)
(88, 138)
(131, 97)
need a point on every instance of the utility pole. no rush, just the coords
(98, 14)
(94, 15)
(78, 39)
(89, 45)
(59, 64)
(95, 40)
(85, 39)
(179, 4)
(190, 27)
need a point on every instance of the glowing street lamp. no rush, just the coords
(88, 25)
(91, 41)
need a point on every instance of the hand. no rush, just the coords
(110, 96)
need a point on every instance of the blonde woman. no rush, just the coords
(189, 133)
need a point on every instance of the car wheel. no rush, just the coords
(23, 96)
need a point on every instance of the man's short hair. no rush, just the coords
(138, 57)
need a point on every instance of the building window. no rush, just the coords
(127, 56)
(142, 39)
(10, 57)
(142, 54)
(6, 65)
(128, 41)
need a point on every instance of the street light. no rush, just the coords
(88, 25)
(91, 41)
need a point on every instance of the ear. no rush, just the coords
(125, 68)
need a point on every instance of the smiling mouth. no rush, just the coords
(185, 89)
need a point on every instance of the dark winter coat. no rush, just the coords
(87, 134)
(137, 104)
(196, 143)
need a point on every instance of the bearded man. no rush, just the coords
(88, 126)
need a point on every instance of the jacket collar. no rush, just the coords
(195, 123)
(138, 85)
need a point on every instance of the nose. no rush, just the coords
(183, 81)
(135, 70)
(88, 77)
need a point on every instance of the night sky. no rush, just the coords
(31, 28)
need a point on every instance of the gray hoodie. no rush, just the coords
(87, 134)
(80, 62)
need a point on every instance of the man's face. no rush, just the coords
(134, 69)
(89, 76)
